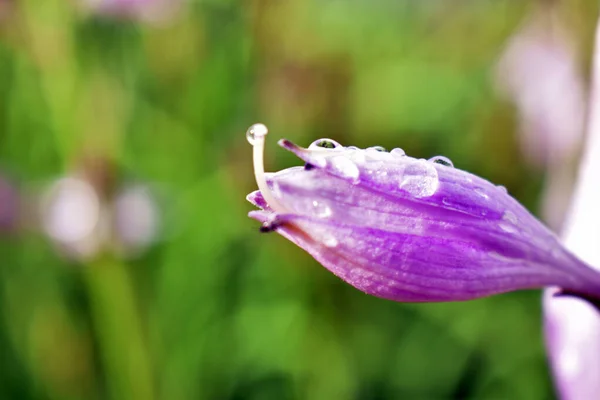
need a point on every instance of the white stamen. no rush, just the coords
(256, 137)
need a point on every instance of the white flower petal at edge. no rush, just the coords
(573, 325)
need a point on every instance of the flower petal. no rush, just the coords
(414, 230)
(404, 266)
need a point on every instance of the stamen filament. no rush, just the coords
(256, 136)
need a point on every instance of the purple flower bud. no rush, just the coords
(410, 230)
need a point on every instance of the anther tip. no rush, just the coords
(288, 145)
(269, 226)
(265, 228)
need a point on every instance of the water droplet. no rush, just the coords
(357, 155)
(502, 188)
(481, 193)
(352, 148)
(325, 143)
(420, 179)
(398, 152)
(376, 148)
(321, 209)
(318, 160)
(446, 202)
(509, 222)
(345, 167)
(507, 228)
(442, 160)
(256, 131)
(510, 217)
(378, 153)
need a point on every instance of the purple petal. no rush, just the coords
(413, 230)
(572, 328)
(412, 267)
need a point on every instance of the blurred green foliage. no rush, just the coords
(214, 310)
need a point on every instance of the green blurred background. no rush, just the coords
(210, 308)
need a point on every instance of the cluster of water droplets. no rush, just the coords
(343, 163)
(419, 177)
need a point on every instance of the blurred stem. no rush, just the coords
(125, 358)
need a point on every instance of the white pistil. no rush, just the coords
(256, 137)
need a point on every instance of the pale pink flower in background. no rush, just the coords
(539, 73)
(72, 216)
(4, 9)
(144, 10)
(82, 220)
(9, 206)
(573, 325)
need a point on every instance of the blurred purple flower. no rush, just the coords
(410, 230)
(573, 325)
(82, 220)
(136, 218)
(5, 9)
(9, 206)
(146, 10)
(71, 212)
(538, 71)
